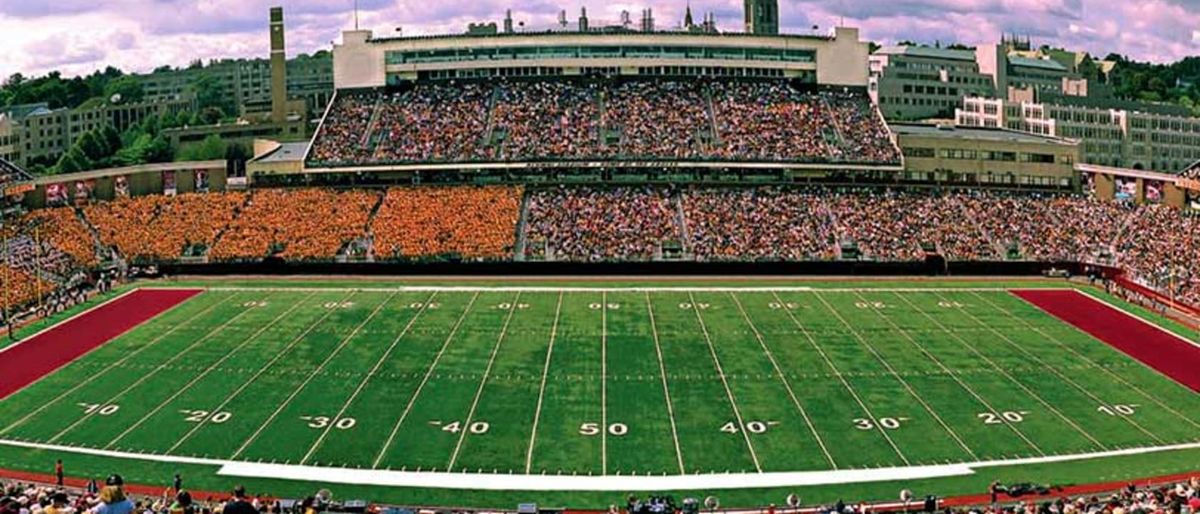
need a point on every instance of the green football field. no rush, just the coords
(595, 382)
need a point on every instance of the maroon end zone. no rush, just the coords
(26, 362)
(1154, 346)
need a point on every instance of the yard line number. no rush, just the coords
(591, 429)
(884, 423)
(754, 427)
(100, 408)
(454, 427)
(199, 416)
(998, 418)
(325, 421)
(609, 306)
(338, 305)
(1119, 410)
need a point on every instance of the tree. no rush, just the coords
(209, 93)
(211, 148)
(91, 146)
(128, 87)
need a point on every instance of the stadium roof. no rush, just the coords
(285, 152)
(990, 134)
(1045, 64)
(928, 51)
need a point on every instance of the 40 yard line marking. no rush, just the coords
(662, 372)
(424, 380)
(537, 414)
(842, 378)
(312, 375)
(246, 383)
(737, 413)
(363, 384)
(229, 354)
(782, 378)
(483, 382)
(119, 363)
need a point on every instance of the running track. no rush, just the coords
(26, 362)
(1154, 346)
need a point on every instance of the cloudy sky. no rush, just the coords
(78, 36)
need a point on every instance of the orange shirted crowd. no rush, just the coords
(152, 228)
(65, 231)
(300, 225)
(471, 222)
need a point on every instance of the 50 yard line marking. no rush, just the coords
(662, 372)
(195, 380)
(363, 384)
(845, 383)
(311, 376)
(424, 380)
(462, 436)
(782, 378)
(115, 365)
(737, 413)
(537, 414)
(604, 383)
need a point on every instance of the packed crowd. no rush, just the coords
(300, 225)
(758, 224)
(468, 222)
(111, 497)
(1164, 249)
(592, 224)
(64, 231)
(562, 119)
(10, 173)
(155, 228)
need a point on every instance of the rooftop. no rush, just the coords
(1045, 64)
(978, 133)
(928, 51)
(287, 152)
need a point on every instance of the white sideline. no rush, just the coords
(625, 483)
(617, 289)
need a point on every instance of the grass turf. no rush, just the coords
(755, 380)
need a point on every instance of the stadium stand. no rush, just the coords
(153, 228)
(467, 222)
(64, 231)
(590, 224)
(300, 225)
(758, 224)
(12, 174)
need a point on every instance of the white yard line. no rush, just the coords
(662, 372)
(366, 379)
(144, 377)
(1066, 379)
(462, 436)
(118, 363)
(783, 378)
(537, 414)
(624, 483)
(1092, 362)
(262, 370)
(933, 358)
(604, 383)
(1014, 380)
(907, 387)
(296, 392)
(228, 355)
(737, 412)
(424, 380)
(842, 378)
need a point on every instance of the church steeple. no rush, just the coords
(688, 22)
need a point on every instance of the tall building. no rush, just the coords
(762, 17)
(278, 68)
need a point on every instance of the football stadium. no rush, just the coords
(607, 267)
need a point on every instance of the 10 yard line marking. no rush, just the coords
(782, 378)
(228, 354)
(117, 364)
(246, 383)
(829, 362)
(662, 372)
(153, 372)
(424, 380)
(312, 375)
(863, 341)
(737, 413)
(537, 414)
(483, 382)
(367, 378)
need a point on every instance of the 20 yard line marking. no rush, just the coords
(246, 383)
(841, 377)
(120, 362)
(662, 372)
(537, 414)
(863, 341)
(153, 372)
(349, 337)
(371, 374)
(783, 378)
(737, 413)
(424, 380)
(195, 380)
(462, 436)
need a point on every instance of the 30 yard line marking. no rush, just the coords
(662, 372)
(462, 436)
(246, 383)
(737, 413)
(907, 387)
(424, 380)
(604, 383)
(296, 392)
(1061, 375)
(142, 379)
(1093, 362)
(363, 383)
(195, 380)
(842, 378)
(1012, 379)
(118, 363)
(929, 355)
(537, 414)
(782, 378)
